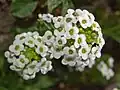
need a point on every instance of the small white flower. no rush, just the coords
(91, 17)
(84, 21)
(30, 41)
(96, 26)
(68, 60)
(80, 67)
(111, 62)
(78, 13)
(84, 51)
(110, 74)
(15, 68)
(21, 62)
(7, 54)
(29, 34)
(98, 53)
(11, 59)
(69, 19)
(47, 17)
(59, 32)
(58, 21)
(72, 33)
(31, 68)
(42, 50)
(60, 41)
(40, 15)
(56, 52)
(20, 38)
(44, 65)
(115, 89)
(48, 38)
(35, 34)
(70, 11)
(91, 60)
(80, 40)
(16, 48)
(38, 40)
(101, 41)
(69, 51)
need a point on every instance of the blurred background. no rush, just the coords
(17, 16)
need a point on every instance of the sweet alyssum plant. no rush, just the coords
(76, 40)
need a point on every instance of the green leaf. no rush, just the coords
(66, 5)
(1, 62)
(113, 32)
(23, 8)
(45, 82)
(52, 4)
(2, 88)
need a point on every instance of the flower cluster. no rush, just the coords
(105, 69)
(28, 55)
(76, 40)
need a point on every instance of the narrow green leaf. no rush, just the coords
(67, 4)
(23, 9)
(52, 4)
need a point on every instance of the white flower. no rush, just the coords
(115, 89)
(15, 68)
(96, 26)
(7, 54)
(69, 51)
(44, 66)
(58, 21)
(80, 40)
(91, 17)
(31, 68)
(106, 72)
(96, 51)
(20, 38)
(78, 13)
(27, 76)
(84, 21)
(48, 38)
(70, 11)
(110, 74)
(80, 62)
(35, 34)
(30, 41)
(42, 50)
(59, 32)
(60, 41)
(30, 71)
(21, 62)
(91, 60)
(11, 59)
(69, 19)
(84, 51)
(72, 32)
(68, 60)
(39, 15)
(92, 56)
(29, 34)
(38, 40)
(80, 66)
(100, 41)
(111, 62)
(56, 52)
(16, 48)
(47, 17)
